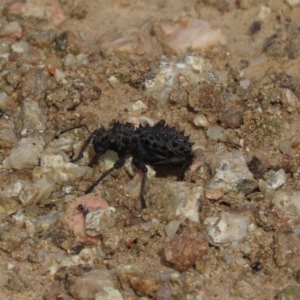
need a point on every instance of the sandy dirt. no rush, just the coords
(28, 278)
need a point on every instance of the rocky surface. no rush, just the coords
(225, 72)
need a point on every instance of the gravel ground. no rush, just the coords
(225, 72)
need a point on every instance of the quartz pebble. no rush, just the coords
(201, 121)
(60, 171)
(33, 193)
(264, 12)
(139, 105)
(82, 59)
(180, 198)
(245, 83)
(32, 117)
(228, 227)
(266, 189)
(114, 81)
(99, 221)
(108, 159)
(64, 143)
(25, 153)
(215, 132)
(290, 100)
(20, 47)
(49, 218)
(69, 60)
(79, 60)
(275, 178)
(60, 76)
(287, 201)
(231, 173)
(171, 228)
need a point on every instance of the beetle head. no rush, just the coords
(101, 141)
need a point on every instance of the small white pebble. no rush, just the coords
(20, 47)
(114, 81)
(245, 83)
(139, 105)
(214, 132)
(155, 221)
(10, 266)
(68, 189)
(60, 76)
(82, 59)
(252, 227)
(240, 261)
(171, 228)
(201, 120)
(264, 12)
(69, 60)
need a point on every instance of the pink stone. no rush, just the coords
(189, 33)
(74, 220)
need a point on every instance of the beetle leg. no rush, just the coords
(78, 126)
(183, 169)
(95, 159)
(118, 164)
(141, 166)
(86, 143)
(83, 148)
